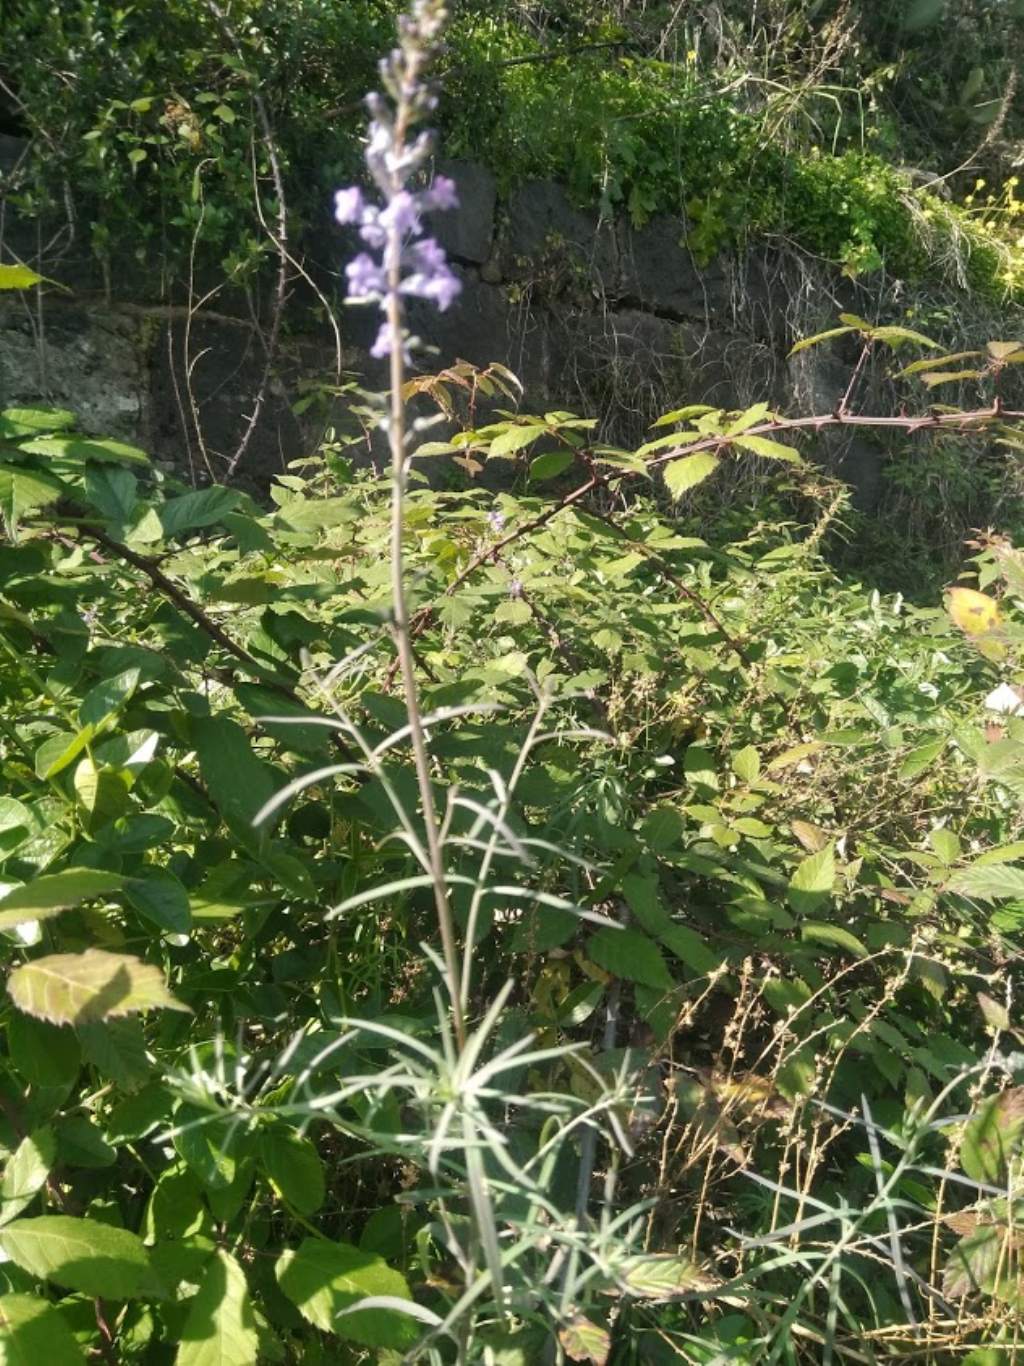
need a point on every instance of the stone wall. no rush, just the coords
(592, 314)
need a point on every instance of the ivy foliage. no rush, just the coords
(147, 138)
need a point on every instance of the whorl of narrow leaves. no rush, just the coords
(79, 988)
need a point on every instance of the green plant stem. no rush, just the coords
(401, 627)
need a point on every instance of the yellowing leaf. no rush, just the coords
(75, 988)
(584, 1340)
(795, 754)
(973, 612)
(18, 277)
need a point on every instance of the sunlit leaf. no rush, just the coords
(325, 1279)
(818, 338)
(220, 1329)
(75, 988)
(770, 450)
(688, 471)
(32, 1332)
(78, 1254)
(973, 612)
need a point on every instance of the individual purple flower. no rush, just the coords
(515, 588)
(366, 279)
(431, 277)
(371, 231)
(402, 214)
(496, 520)
(349, 205)
(442, 194)
(381, 348)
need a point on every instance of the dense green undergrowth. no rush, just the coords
(736, 846)
(145, 138)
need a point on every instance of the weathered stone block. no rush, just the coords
(467, 233)
(545, 230)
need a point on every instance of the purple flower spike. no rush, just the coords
(401, 261)
(366, 279)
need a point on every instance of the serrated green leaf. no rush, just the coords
(25, 421)
(892, 336)
(920, 759)
(832, 937)
(18, 277)
(56, 892)
(664, 1276)
(323, 1278)
(42, 1053)
(936, 362)
(746, 764)
(77, 450)
(933, 378)
(113, 492)
(750, 418)
(770, 450)
(294, 1168)
(80, 1143)
(631, 955)
(220, 1329)
(818, 337)
(983, 882)
(515, 439)
(209, 1144)
(812, 881)
(78, 1254)
(550, 465)
(200, 508)
(24, 490)
(161, 897)
(993, 1136)
(688, 471)
(26, 1172)
(75, 988)
(117, 1049)
(34, 1332)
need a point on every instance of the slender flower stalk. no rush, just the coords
(401, 262)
